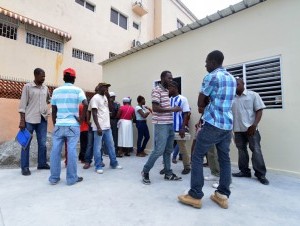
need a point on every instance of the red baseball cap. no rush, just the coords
(71, 71)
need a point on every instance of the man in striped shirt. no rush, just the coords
(163, 129)
(65, 103)
(180, 123)
(214, 101)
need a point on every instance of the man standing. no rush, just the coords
(163, 129)
(247, 112)
(180, 123)
(215, 100)
(101, 106)
(114, 119)
(33, 116)
(65, 103)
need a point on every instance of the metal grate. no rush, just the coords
(263, 77)
(42, 42)
(82, 55)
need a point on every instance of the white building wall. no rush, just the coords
(265, 30)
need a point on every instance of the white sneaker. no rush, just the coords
(100, 171)
(216, 185)
(118, 167)
(211, 178)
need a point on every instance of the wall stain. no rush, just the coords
(58, 63)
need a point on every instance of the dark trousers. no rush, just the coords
(241, 141)
(143, 135)
(114, 130)
(83, 144)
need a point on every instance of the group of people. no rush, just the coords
(102, 125)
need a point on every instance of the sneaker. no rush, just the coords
(79, 179)
(99, 171)
(186, 171)
(216, 185)
(263, 180)
(241, 174)
(146, 179)
(86, 165)
(44, 167)
(54, 182)
(221, 200)
(211, 178)
(25, 171)
(189, 200)
(118, 167)
(174, 161)
(172, 177)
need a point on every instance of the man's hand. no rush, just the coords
(251, 130)
(177, 109)
(22, 124)
(182, 132)
(99, 132)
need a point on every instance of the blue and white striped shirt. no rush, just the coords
(220, 87)
(181, 102)
(67, 99)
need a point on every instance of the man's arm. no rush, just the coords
(157, 108)
(54, 114)
(22, 107)
(84, 110)
(251, 130)
(95, 118)
(203, 101)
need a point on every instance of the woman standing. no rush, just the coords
(142, 112)
(125, 133)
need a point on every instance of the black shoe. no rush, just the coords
(162, 172)
(186, 171)
(46, 167)
(241, 174)
(172, 177)
(146, 179)
(26, 172)
(263, 180)
(79, 179)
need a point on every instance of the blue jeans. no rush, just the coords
(89, 150)
(208, 136)
(109, 142)
(175, 152)
(163, 145)
(143, 133)
(41, 136)
(60, 134)
(258, 163)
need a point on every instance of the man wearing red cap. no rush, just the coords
(65, 102)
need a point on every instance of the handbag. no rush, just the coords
(23, 137)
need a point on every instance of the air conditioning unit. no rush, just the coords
(135, 43)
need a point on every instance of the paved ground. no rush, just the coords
(119, 198)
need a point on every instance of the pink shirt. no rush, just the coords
(127, 112)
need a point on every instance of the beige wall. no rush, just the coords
(262, 31)
(91, 32)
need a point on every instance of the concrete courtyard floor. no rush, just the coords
(118, 197)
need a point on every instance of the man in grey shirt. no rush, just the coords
(247, 111)
(33, 111)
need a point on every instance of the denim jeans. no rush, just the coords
(258, 163)
(143, 133)
(60, 134)
(210, 135)
(109, 142)
(41, 136)
(163, 145)
(114, 130)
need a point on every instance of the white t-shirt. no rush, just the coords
(101, 104)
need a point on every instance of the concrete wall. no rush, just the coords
(265, 30)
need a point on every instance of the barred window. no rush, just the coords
(42, 42)
(118, 18)
(263, 77)
(8, 27)
(86, 4)
(76, 53)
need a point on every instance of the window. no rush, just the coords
(179, 24)
(86, 4)
(118, 19)
(8, 27)
(263, 77)
(43, 42)
(82, 55)
(136, 25)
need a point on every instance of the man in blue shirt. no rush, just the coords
(215, 102)
(65, 115)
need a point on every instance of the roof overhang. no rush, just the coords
(35, 23)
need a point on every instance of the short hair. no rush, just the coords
(68, 78)
(140, 98)
(38, 71)
(164, 74)
(216, 56)
(173, 84)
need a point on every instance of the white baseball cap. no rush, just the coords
(112, 94)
